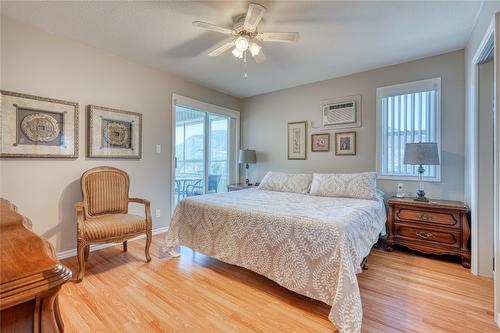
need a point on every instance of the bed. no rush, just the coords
(311, 245)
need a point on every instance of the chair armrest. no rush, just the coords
(80, 209)
(147, 209)
(80, 218)
(139, 200)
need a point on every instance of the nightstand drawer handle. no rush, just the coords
(425, 235)
(424, 217)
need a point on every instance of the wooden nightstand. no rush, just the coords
(237, 187)
(437, 227)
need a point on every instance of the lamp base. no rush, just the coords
(421, 196)
(247, 180)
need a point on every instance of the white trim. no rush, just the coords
(179, 100)
(496, 163)
(473, 155)
(430, 84)
(172, 157)
(408, 178)
(72, 253)
(409, 87)
(203, 106)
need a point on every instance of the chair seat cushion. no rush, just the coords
(113, 225)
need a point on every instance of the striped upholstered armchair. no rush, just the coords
(102, 216)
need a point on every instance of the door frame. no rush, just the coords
(234, 142)
(491, 39)
(484, 48)
(496, 167)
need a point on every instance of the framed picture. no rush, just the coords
(113, 133)
(345, 143)
(320, 142)
(38, 127)
(297, 140)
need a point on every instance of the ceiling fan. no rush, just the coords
(245, 37)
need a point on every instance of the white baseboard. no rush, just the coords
(72, 252)
(498, 320)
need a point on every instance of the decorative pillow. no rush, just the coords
(286, 182)
(348, 185)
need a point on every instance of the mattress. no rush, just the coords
(308, 244)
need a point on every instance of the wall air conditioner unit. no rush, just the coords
(344, 112)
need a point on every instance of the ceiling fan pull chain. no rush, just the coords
(245, 75)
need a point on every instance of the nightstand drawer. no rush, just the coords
(448, 238)
(448, 219)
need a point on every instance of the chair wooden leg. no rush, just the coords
(125, 246)
(81, 261)
(148, 244)
(87, 252)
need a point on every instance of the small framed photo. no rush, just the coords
(113, 133)
(345, 143)
(297, 140)
(320, 142)
(38, 127)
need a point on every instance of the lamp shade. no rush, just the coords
(247, 156)
(423, 153)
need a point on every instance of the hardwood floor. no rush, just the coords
(401, 292)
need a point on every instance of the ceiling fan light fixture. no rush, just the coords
(241, 43)
(254, 48)
(237, 53)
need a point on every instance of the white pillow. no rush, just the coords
(286, 182)
(348, 185)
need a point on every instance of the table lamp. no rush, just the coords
(422, 153)
(247, 156)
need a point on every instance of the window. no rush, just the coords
(407, 113)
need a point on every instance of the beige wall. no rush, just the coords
(265, 117)
(38, 63)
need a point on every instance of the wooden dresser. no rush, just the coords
(437, 227)
(30, 277)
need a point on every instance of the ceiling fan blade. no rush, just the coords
(221, 47)
(260, 57)
(212, 27)
(254, 15)
(282, 37)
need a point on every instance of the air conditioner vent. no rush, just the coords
(339, 113)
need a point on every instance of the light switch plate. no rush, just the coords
(158, 213)
(158, 149)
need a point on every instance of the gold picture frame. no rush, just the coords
(113, 133)
(38, 127)
(345, 143)
(297, 140)
(320, 142)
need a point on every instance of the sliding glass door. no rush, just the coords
(202, 150)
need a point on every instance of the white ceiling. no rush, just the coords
(337, 38)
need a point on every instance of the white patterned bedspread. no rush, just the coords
(311, 245)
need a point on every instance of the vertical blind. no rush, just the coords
(407, 117)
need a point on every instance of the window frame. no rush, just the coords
(408, 88)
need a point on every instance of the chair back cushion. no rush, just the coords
(105, 191)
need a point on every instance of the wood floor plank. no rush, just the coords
(401, 292)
